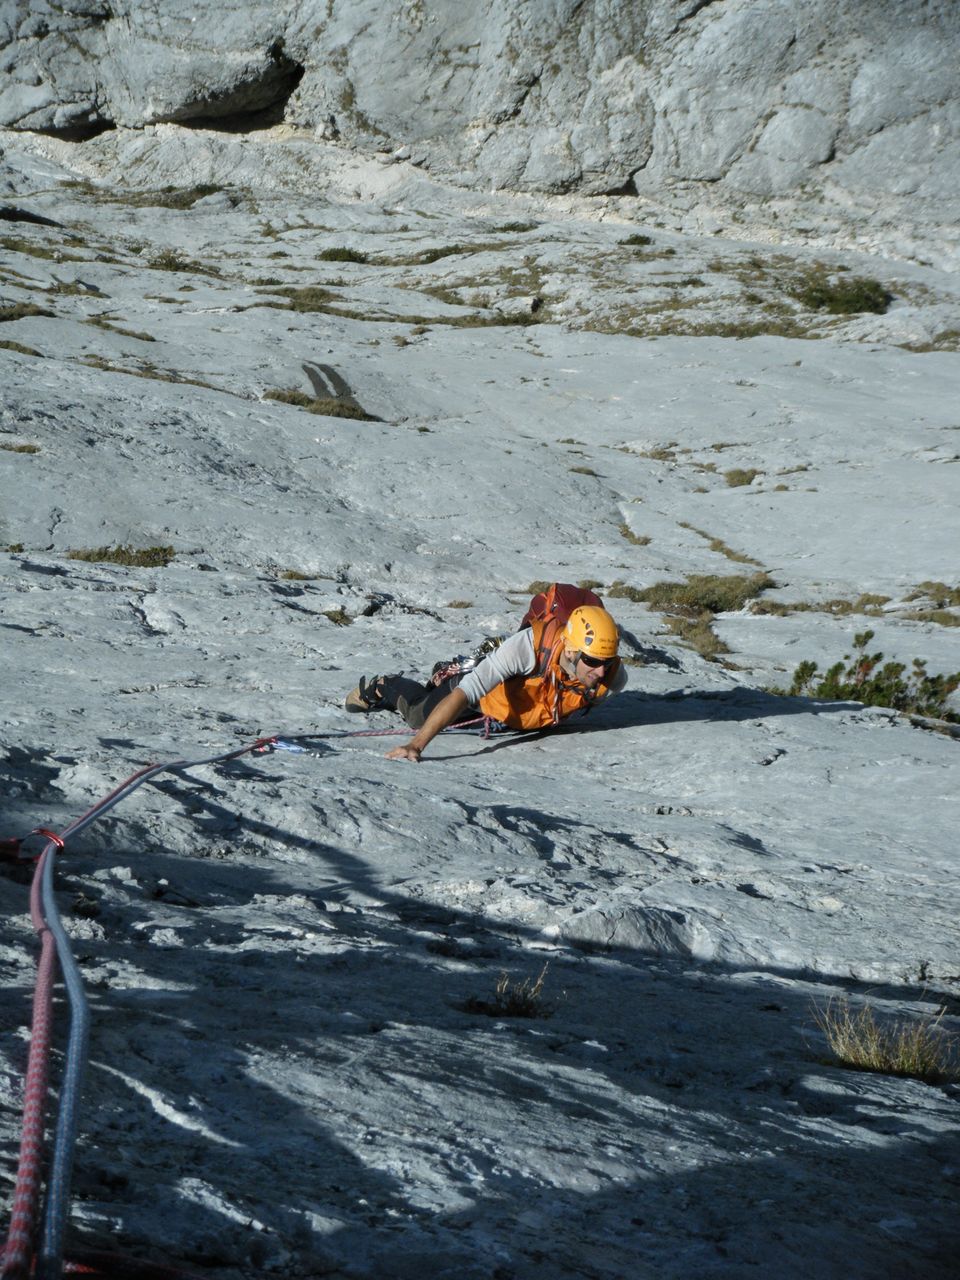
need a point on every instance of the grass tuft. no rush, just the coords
(148, 370)
(698, 634)
(168, 197)
(689, 607)
(20, 349)
(938, 593)
(514, 999)
(101, 322)
(737, 476)
(942, 617)
(311, 297)
(328, 406)
(21, 310)
(712, 593)
(170, 260)
(636, 539)
(18, 244)
(918, 1050)
(140, 558)
(718, 545)
(867, 602)
(342, 255)
(445, 251)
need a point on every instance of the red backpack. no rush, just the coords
(553, 606)
(557, 603)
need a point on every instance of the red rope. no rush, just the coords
(19, 1248)
(17, 1255)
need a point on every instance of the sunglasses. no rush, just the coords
(595, 662)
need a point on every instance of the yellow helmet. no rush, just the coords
(592, 631)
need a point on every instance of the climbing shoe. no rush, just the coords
(367, 696)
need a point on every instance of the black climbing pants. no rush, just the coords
(415, 701)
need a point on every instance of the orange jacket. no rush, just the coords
(547, 695)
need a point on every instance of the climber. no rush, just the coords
(535, 678)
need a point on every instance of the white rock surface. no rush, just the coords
(286, 1075)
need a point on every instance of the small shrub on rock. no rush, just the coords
(841, 297)
(341, 255)
(864, 680)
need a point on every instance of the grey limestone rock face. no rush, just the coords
(126, 62)
(595, 96)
